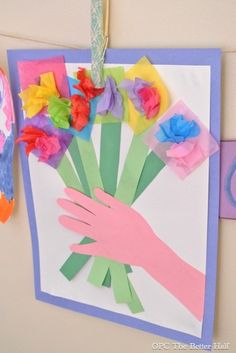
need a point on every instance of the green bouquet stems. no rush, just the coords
(86, 174)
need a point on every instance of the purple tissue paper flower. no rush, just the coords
(132, 88)
(111, 100)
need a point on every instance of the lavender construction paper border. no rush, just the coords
(211, 57)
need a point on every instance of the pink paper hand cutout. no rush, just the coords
(123, 235)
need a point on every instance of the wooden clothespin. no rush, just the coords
(106, 25)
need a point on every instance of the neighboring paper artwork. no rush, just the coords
(7, 120)
(228, 181)
(110, 255)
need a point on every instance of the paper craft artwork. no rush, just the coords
(121, 238)
(228, 182)
(6, 149)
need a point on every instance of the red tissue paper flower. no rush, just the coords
(80, 112)
(150, 101)
(86, 85)
(36, 139)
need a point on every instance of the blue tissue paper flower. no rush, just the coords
(177, 129)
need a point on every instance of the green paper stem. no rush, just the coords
(110, 155)
(76, 158)
(119, 279)
(152, 167)
(98, 272)
(75, 262)
(68, 175)
(135, 304)
(90, 164)
(132, 170)
(120, 282)
(107, 280)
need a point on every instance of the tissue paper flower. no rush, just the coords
(145, 98)
(81, 104)
(59, 110)
(132, 87)
(181, 140)
(177, 129)
(36, 97)
(37, 139)
(40, 126)
(80, 112)
(152, 101)
(86, 85)
(111, 100)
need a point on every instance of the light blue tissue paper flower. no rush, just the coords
(177, 129)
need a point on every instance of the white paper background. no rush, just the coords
(176, 210)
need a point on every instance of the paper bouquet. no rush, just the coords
(60, 112)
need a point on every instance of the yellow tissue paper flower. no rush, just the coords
(36, 97)
(147, 72)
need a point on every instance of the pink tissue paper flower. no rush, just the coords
(183, 157)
